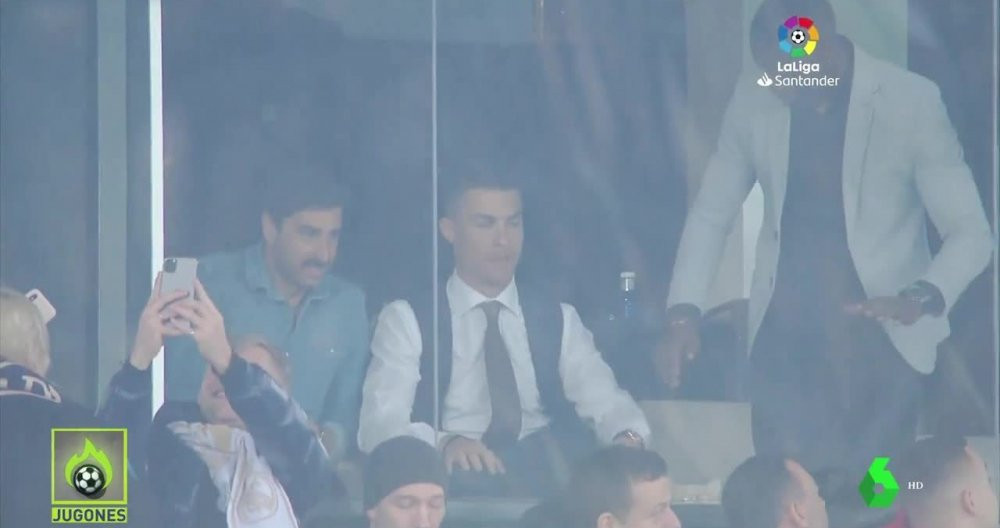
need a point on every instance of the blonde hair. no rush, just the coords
(24, 339)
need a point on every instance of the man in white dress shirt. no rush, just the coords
(518, 373)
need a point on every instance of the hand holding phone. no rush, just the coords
(153, 326)
(179, 275)
(208, 328)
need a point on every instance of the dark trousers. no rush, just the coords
(537, 466)
(833, 400)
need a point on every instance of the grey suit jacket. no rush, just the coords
(901, 160)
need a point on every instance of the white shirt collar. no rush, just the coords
(464, 298)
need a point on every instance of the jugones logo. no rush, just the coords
(89, 476)
(798, 36)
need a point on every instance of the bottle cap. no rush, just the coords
(628, 280)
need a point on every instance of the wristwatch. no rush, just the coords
(630, 436)
(929, 296)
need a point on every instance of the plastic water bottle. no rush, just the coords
(628, 301)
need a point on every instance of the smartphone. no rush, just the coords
(179, 274)
(44, 306)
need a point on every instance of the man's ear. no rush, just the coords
(268, 227)
(607, 520)
(796, 514)
(967, 501)
(447, 227)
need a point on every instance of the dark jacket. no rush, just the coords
(30, 406)
(181, 482)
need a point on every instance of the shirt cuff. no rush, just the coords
(237, 380)
(683, 311)
(608, 431)
(425, 432)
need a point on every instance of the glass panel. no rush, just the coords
(571, 113)
(814, 211)
(297, 173)
(48, 159)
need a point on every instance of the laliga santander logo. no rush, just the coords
(798, 36)
(764, 80)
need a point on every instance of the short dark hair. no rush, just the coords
(603, 482)
(771, 13)
(297, 186)
(753, 494)
(931, 461)
(460, 176)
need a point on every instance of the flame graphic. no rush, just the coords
(89, 451)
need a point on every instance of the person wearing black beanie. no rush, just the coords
(405, 485)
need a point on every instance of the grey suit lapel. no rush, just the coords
(778, 130)
(860, 113)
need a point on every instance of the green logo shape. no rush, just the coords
(879, 475)
(90, 452)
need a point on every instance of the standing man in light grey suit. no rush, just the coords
(847, 303)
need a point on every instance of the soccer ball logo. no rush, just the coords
(89, 481)
(798, 37)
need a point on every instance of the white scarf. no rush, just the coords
(249, 493)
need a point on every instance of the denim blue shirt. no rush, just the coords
(326, 341)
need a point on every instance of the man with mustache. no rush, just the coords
(281, 289)
(515, 374)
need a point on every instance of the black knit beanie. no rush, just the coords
(399, 462)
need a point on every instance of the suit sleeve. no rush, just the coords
(949, 194)
(727, 180)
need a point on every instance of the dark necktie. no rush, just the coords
(505, 425)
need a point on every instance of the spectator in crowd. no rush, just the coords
(847, 303)
(245, 454)
(621, 487)
(282, 289)
(517, 370)
(405, 485)
(30, 407)
(768, 491)
(956, 492)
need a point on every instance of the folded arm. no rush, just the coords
(272, 417)
(949, 194)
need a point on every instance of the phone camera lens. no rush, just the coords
(170, 265)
